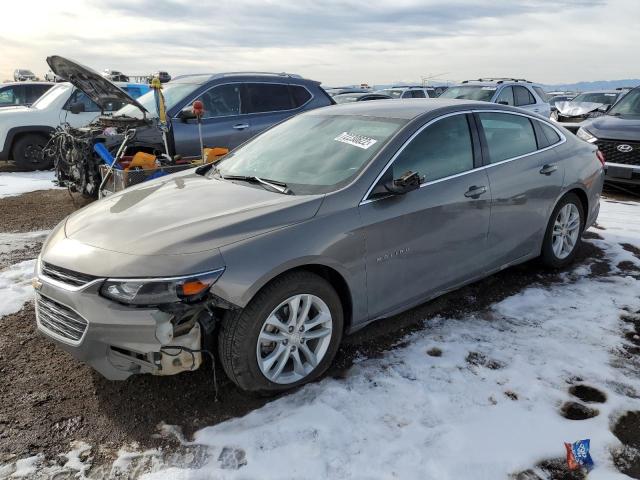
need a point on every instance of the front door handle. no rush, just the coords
(475, 192)
(548, 169)
(241, 126)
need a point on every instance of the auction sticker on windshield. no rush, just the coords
(359, 141)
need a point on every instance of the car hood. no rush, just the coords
(185, 213)
(574, 109)
(615, 128)
(101, 90)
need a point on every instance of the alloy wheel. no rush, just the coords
(566, 230)
(294, 338)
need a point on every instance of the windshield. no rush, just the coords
(391, 92)
(629, 105)
(597, 97)
(173, 93)
(470, 92)
(312, 153)
(51, 96)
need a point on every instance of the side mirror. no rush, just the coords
(77, 107)
(187, 114)
(407, 182)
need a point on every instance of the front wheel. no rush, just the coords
(286, 336)
(564, 231)
(28, 152)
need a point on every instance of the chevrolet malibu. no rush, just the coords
(318, 226)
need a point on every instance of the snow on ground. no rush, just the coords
(411, 415)
(488, 407)
(15, 286)
(17, 183)
(10, 242)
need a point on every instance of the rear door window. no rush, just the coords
(268, 97)
(441, 150)
(522, 96)
(418, 94)
(506, 96)
(507, 135)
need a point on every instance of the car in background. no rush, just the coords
(553, 99)
(572, 113)
(515, 92)
(333, 91)
(164, 77)
(237, 106)
(359, 97)
(115, 75)
(408, 91)
(21, 93)
(22, 75)
(24, 131)
(51, 77)
(617, 136)
(326, 222)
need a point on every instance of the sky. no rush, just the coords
(336, 41)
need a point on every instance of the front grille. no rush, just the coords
(59, 319)
(611, 153)
(63, 275)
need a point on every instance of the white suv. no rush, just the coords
(24, 131)
(505, 91)
(408, 91)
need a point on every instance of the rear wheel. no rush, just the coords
(28, 152)
(564, 231)
(286, 336)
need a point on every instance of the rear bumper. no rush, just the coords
(621, 173)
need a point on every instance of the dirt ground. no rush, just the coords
(48, 399)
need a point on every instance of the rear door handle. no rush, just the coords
(549, 169)
(475, 192)
(241, 126)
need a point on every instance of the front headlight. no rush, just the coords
(157, 291)
(584, 134)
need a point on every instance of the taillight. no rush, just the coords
(600, 156)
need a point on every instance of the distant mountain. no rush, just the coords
(597, 85)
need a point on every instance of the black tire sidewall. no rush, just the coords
(19, 151)
(245, 371)
(548, 256)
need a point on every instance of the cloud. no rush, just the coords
(337, 41)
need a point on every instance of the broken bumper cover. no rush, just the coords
(118, 340)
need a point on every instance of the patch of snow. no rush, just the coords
(26, 467)
(10, 242)
(15, 286)
(17, 183)
(411, 415)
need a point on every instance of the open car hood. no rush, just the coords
(101, 90)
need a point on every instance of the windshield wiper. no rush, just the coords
(279, 187)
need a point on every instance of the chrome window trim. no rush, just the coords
(243, 82)
(563, 139)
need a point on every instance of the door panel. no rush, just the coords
(424, 241)
(523, 189)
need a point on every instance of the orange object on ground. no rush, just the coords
(146, 161)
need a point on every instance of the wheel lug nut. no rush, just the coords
(293, 348)
(302, 328)
(285, 341)
(291, 329)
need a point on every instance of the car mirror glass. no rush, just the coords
(407, 182)
(77, 107)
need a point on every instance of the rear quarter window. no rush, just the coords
(550, 133)
(300, 95)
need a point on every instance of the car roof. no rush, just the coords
(601, 91)
(203, 78)
(495, 83)
(7, 84)
(407, 109)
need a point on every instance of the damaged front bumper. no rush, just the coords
(120, 340)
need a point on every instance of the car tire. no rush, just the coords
(245, 354)
(564, 232)
(28, 152)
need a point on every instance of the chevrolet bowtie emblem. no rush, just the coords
(37, 284)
